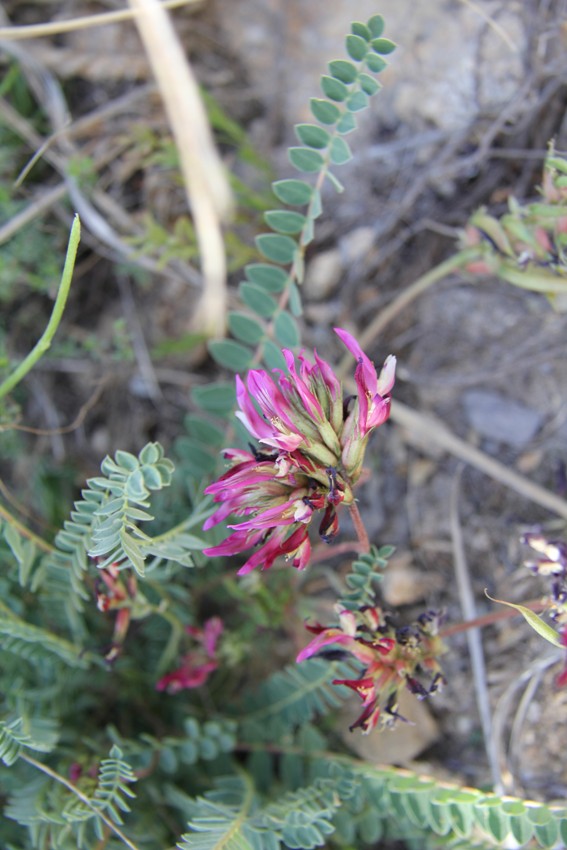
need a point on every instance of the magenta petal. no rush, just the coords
(248, 414)
(263, 557)
(379, 413)
(212, 630)
(302, 555)
(329, 378)
(270, 518)
(326, 638)
(186, 677)
(370, 377)
(272, 403)
(235, 543)
(219, 515)
(310, 401)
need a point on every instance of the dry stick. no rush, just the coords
(427, 429)
(73, 24)
(134, 325)
(64, 429)
(474, 639)
(504, 708)
(385, 316)
(48, 91)
(207, 188)
(492, 23)
(34, 209)
(489, 619)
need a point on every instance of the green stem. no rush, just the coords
(82, 797)
(201, 514)
(44, 342)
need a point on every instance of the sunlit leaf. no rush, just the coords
(538, 625)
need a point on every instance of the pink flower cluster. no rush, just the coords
(312, 441)
(197, 665)
(392, 658)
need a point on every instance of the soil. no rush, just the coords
(487, 360)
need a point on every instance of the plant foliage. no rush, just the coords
(271, 289)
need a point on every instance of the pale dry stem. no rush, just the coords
(474, 639)
(206, 184)
(425, 429)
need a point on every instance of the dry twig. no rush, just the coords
(474, 639)
(206, 184)
(423, 428)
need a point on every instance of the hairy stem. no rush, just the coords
(488, 619)
(360, 529)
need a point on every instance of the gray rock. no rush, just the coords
(502, 419)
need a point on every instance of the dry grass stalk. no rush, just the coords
(205, 180)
